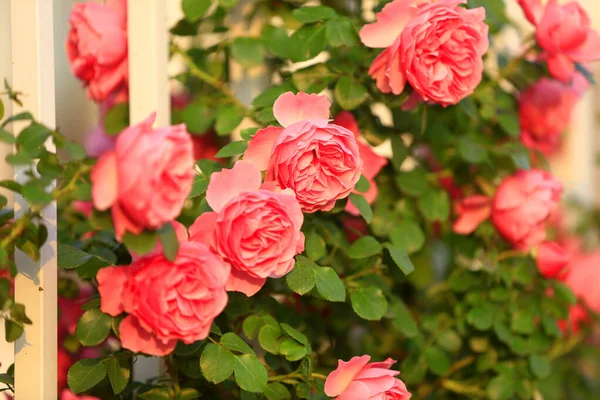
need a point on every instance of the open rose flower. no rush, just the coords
(565, 34)
(471, 211)
(255, 229)
(97, 48)
(552, 259)
(436, 46)
(522, 204)
(359, 379)
(146, 178)
(68, 395)
(372, 162)
(166, 301)
(318, 160)
(545, 112)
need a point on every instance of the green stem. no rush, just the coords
(510, 254)
(172, 369)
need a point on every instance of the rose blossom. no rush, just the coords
(551, 259)
(68, 395)
(97, 48)
(359, 379)
(146, 178)
(522, 204)
(318, 160)
(372, 162)
(471, 211)
(583, 278)
(436, 46)
(166, 301)
(565, 34)
(255, 229)
(545, 111)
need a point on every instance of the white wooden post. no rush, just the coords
(35, 285)
(148, 91)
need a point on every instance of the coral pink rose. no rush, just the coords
(565, 34)
(68, 395)
(583, 278)
(166, 301)
(436, 46)
(545, 111)
(472, 211)
(551, 259)
(522, 204)
(319, 161)
(359, 379)
(372, 162)
(146, 178)
(64, 362)
(97, 48)
(255, 229)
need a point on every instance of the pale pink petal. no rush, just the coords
(260, 146)
(111, 281)
(589, 50)
(137, 339)
(104, 181)
(202, 228)
(228, 183)
(338, 380)
(533, 10)
(242, 282)
(290, 108)
(356, 390)
(390, 23)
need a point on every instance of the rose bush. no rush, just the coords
(385, 194)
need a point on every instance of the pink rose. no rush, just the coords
(522, 204)
(472, 211)
(166, 301)
(359, 379)
(97, 48)
(319, 161)
(68, 395)
(64, 362)
(551, 259)
(583, 278)
(146, 178)
(372, 162)
(565, 34)
(436, 46)
(545, 112)
(256, 230)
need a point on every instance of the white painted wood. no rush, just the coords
(148, 92)
(35, 285)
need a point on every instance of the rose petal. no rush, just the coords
(111, 282)
(202, 228)
(137, 339)
(390, 22)
(260, 146)
(339, 380)
(241, 282)
(290, 108)
(228, 183)
(104, 181)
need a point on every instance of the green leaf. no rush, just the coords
(85, 374)
(449, 340)
(17, 313)
(117, 119)
(197, 118)
(307, 42)
(521, 160)
(314, 14)
(250, 374)
(296, 334)
(437, 360)
(364, 247)
(193, 10)
(363, 206)
(36, 194)
(510, 124)
(233, 342)
(1, 109)
(407, 234)
(435, 205)
(268, 97)
(268, 337)
(329, 285)
(362, 185)
(481, 316)
(277, 391)
(292, 350)
(228, 118)
(19, 117)
(276, 40)
(7, 379)
(312, 79)
(413, 183)
(522, 322)
(540, 366)
(183, 349)
(369, 303)
(75, 151)
(339, 32)
(232, 149)
(401, 258)
(188, 394)
(349, 93)
(169, 241)
(564, 293)
(403, 320)
(140, 244)
(12, 330)
(7, 137)
(586, 73)
(501, 388)
(251, 325)
(70, 257)
(93, 327)
(34, 136)
(302, 279)
(471, 150)
(12, 186)
(314, 245)
(247, 51)
(199, 187)
(156, 394)
(216, 363)
(118, 373)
